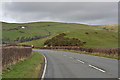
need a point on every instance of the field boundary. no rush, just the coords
(13, 54)
(108, 51)
(31, 68)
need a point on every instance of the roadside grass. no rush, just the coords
(0, 76)
(29, 68)
(94, 54)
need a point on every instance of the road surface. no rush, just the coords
(61, 64)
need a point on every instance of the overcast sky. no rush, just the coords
(75, 12)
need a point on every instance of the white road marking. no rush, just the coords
(64, 55)
(81, 61)
(97, 68)
(43, 75)
(71, 57)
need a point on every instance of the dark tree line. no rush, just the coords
(8, 41)
(24, 39)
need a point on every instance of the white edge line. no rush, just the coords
(43, 75)
(96, 68)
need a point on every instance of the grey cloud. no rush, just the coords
(87, 12)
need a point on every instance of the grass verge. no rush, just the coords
(29, 68)
(94, 54)
(0, 76)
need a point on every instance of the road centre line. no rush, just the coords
(96, 68)
(89, 65)
(81, 61)
(64, 55)
(71, 57)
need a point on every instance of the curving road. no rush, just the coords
(61, 64)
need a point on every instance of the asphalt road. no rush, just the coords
(61, 64)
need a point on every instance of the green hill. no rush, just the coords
(105, 36)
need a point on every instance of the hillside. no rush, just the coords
(94, 35)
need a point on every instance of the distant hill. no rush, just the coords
(94, 35)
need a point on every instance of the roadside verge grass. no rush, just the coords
(94, 54)
(29, 68)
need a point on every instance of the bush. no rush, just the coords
(60, 40)
(86, 33)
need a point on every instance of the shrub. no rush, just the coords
(96, 32)
(60, 40)
(86, 33)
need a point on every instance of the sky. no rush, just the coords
(93, 13)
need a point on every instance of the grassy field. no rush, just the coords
(96, 37)
(39, 42)
(29, 68)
